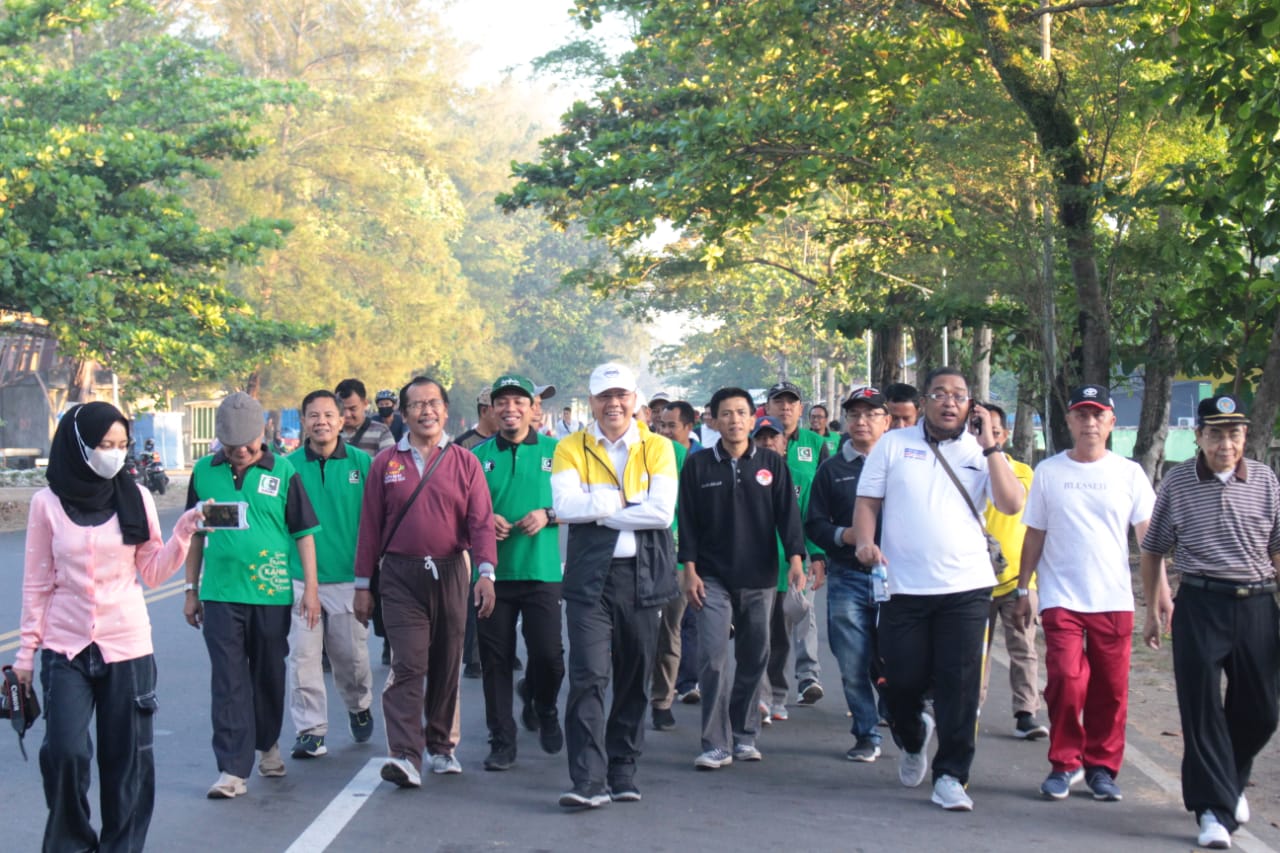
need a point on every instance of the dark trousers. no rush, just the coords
(779, 654)
(687, 674)
(935, 640)
(247, 644)
(123, 697)
(539, 603)
(613, 636)
(425, 618)
(470, 640)
(1215, 635)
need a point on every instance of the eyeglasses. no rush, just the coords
(417, 408)
(940, 397)
(862, 416)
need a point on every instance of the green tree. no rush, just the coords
(96, 237)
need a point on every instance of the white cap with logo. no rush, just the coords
(611, 375)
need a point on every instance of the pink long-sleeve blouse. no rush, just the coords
(80, 584)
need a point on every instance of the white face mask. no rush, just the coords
(106, 463)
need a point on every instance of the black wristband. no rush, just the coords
(995, 448)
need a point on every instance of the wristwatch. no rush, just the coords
(995, 448)
(551, 515)
(1021, 592)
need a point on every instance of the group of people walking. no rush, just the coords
(668, 556)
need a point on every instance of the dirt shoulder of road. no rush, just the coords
(16, 500)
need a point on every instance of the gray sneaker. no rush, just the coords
(949, 793)
(914, 766)
(746, 752)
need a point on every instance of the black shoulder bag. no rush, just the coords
(998, 562)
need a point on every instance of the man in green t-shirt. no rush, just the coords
(333, 473)
(517, 467)
(244, 590)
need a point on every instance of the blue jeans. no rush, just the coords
(122, 696)
(851, 630)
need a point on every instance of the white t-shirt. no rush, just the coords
(930, 539)
(1085, 509)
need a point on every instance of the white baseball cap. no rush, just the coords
(611, 375)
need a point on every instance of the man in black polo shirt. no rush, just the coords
(735, 501)
(1220, 516)
(852, 608)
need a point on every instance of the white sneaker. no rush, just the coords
(914, 766)
(1213, 834)
(270, 763)
(400, 771)
(443, 764)
(1242, 810)
(746, 752)
(713, 759)
(227, 787)
(949, 793)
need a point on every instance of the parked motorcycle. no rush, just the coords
(151, 469)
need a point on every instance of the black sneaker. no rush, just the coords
(502, 756)
(865, 750)
(1028, 727)
(624, 791)
(361, 724)
(309, 746)
(584, 797)
(663, 719)
(550, 735)
(528, 713)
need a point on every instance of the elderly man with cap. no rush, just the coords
(486, 423)
(517, 467)
(615, 485)
(1220, 516)
(239, 589)
(736, 503)
(852, 608)
(806, 450)
(1082, 503)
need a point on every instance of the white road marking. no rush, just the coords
(341, 809)
(1167, 782)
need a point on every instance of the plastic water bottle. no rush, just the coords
(879, 582)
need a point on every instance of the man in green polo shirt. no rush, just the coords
(333, 473)
(245, 593)
(517, 466)
(806, 450)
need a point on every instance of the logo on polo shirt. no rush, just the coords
(914, 453)
(804, 454)
(764, 477)
(395, 472)
(353, 477)
(488, 465)
(546, 464)
(269, 486)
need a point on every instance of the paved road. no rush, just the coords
(803, 796)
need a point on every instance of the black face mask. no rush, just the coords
(385, 411)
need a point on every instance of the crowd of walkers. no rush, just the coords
(659, 546)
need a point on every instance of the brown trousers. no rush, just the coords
(425, 619)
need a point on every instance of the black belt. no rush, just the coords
(1232, 588)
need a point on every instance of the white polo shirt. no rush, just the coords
(930, 539)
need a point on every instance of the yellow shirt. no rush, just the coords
(1010, 531)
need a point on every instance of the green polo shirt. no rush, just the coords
(519, 478)
(335, 487)
(806, 450)
(252, 566)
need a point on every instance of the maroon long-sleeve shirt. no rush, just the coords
(452, 514)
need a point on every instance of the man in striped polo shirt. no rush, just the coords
(1220, 516)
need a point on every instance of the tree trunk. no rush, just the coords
(833, 394)
(1266, 402)
(1157, 394)
(253, 384)
(1024, 427)
(887, 357)
(982, 363)
(928, 346)
(80, 386)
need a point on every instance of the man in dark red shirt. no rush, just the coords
(417, 538)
